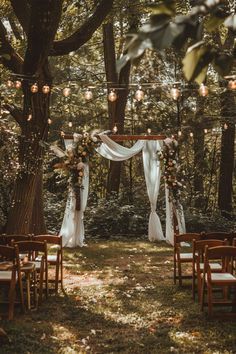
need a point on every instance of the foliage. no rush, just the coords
(165, 30)
(169, 156)
(114, 216)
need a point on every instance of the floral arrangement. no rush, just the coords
(74, 159)
(172, 173)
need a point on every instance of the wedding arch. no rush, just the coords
(72, 229)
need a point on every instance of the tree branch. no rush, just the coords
(85, 32)
(44, 21)
(22, 12)
(8, 57)
(16, 113)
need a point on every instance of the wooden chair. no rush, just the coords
(54, 259)
(181, 257)
(10, 275)
(224, 279)
(33, 248)
(198, 262)
(229, 236)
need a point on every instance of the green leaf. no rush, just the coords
(166, 7)
(196, 61)
(213, 23)
(230, 22)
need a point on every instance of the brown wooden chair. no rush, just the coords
(224, 279)
(56, 259)
(10, 275)
(229, 236)
(198, 262)
(33, 249)
(183, 254)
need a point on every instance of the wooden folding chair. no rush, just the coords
(10, 275)
(198, 262)
(33, 248)
(54, 259)
(229, 236)
(180, 254)
(224, 279)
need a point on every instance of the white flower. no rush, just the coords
(168, 141)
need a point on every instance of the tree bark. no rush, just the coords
(227, 154)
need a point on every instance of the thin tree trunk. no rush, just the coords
(227, 155)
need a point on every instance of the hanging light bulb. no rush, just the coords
(70, 124)
(49, 121)
(29, 117)
(62, 134)
(112, 97)
(34, 88)
(139, 94)
(88, 95)
(46, 89)
(66, 91)
(10, 83)
(115, 129)
(225, 126)
(232, 85)
(205, 131)
(18, 84)
(149, 130)
(179, 133)
(191, 135)
(203, 90)
(175, 92)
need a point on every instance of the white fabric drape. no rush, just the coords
(169, 219)
(72, 229)
(152, 172)
(116, 152)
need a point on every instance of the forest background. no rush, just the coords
(204, 126)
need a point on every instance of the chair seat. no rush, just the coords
(222, 277)
(6, 275)
(50, 258)
(28, 267)
(213, 266)
(5, 265)
(37, 264)
(187, 256)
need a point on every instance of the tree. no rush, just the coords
(40, 22)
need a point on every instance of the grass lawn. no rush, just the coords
(119, 298)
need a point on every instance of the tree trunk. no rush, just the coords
(116, 110)
(227, 154)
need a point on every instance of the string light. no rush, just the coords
(112, 96)
(203, 90)
(62, 134)
(179, 133)
(66, 92)
(10, 83)
(205, 131)
(149, 130)
(18, 84)
(46, 89)
(191, 135)
(232, 85)
(139, 94)
(88, 95)
(175, 92)
(29, 117)
(70, 124)
(49, 121)
(225, 126)
(115, 129)
(34, 88)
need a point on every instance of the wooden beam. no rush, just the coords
(117, 137)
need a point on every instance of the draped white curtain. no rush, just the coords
(116, 152)
(72, 229)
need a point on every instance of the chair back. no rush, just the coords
(187, 237)
(199, 246)
(50, 239)
(229, 236)
(227, 254)
(9, 239)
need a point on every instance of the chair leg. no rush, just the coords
(21, 292)
(46, 278)
(193, 284)
(57, 275)
(12, 293)
(179, 274)
(209, 300)
(61, 263)
(174, 269)
(202, 296)
(41, 276)
(28, 290)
